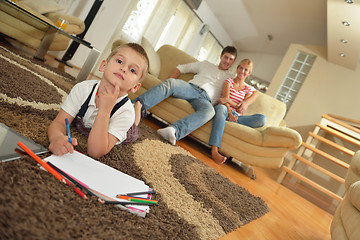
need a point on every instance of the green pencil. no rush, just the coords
(134, 199)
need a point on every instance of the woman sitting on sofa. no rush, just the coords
(237, 96)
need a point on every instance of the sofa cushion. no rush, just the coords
(350, 218)
(273, 109)
(117, 43)
(337, 227)
(42, 6)
(75, 24)
(153, 57)
(170, 58)
(354, 194)
(353, 174)
(9, 14)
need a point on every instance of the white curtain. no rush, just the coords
(138, 20)
(159, 19)
(155, 25)
(188, 34)
(210, 49)
(173, 23)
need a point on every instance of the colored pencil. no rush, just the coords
(49, 168)
(127, 203)
(72, 181)
(41, 162)
(68, 129)
(81, 194)
(135, 199)
(65, 175)
(139, 193)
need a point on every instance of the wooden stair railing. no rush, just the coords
(335, 126)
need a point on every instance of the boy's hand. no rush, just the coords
(106, 98)
(60, 145)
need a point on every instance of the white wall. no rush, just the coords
(328, 88)
(208, 17)
(265, 65)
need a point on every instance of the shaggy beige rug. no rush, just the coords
(195, 202)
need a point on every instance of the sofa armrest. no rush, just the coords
(272, 136)
(281, 137)
(75, 26)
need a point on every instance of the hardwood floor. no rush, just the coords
(291, 216)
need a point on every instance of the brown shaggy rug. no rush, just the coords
(195, 202)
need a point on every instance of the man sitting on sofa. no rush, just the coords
(201, 92)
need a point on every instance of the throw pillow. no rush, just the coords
(117, 43)
(153, 57)
(42, 6)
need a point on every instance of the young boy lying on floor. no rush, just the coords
(102, 109)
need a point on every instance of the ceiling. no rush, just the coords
(270, 26)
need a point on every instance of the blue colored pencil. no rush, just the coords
(68, 130)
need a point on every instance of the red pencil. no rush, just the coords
(81, 194)
(77, 190)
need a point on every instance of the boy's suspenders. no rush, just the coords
(132, 134)
(85, 105)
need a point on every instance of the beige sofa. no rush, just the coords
(263, 147)
(30, 31)
(346, 222)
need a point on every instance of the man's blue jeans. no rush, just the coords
(218, 126)
(197, 97)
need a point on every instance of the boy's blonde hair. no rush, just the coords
(137, 48)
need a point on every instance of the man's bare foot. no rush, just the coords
(217, 157)
(137, 107)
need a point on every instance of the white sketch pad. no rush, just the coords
(98, 176)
